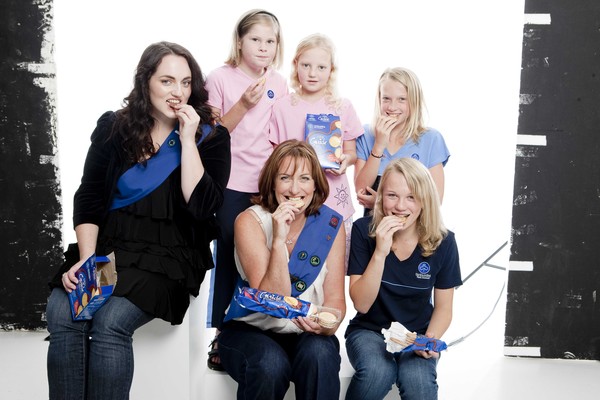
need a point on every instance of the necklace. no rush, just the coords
(291, 239)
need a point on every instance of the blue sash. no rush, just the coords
(307, 258)
(141, 179)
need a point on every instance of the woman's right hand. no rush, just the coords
(69, 280)
(282, 218)
(384, 234)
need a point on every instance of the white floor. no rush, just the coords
(472, 369)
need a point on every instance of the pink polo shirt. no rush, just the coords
(287, 122)
(250, 146)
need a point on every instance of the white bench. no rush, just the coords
(170, 361)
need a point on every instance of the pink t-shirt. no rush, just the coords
(287, 122)
(250, 146)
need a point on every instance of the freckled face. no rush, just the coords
(398, 199)
(170, 87)
(294, 182)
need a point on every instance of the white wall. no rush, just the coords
(466, 52)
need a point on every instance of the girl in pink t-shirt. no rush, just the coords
(242, 93)
(313, 79)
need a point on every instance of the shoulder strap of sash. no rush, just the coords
(312, 248)
(306, 260)
(142, 178)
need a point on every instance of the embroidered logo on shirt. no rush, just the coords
(423, 269)
(270, 93)
(415, 156)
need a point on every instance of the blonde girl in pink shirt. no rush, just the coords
(242, 93)
(313, 78)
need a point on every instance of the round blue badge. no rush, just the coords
(415, 156)
(424, 268)
(270, 93)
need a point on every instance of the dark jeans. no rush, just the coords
(263, 363)
(225, 272)
(89, 360)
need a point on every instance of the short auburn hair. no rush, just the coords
(294, 150)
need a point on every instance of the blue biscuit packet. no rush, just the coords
(323, 132)
(426, 344)
(272, 304)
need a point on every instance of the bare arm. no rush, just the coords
(249, 99)
(437, 173)
(365, 288)
(192, 168)
(365, 172)
(266, 269)
(442, 312)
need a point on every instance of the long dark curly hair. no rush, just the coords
(135, 122)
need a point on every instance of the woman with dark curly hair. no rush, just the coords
(152, 180)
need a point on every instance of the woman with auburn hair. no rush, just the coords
(291, 244)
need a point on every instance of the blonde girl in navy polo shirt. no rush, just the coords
(401, 259)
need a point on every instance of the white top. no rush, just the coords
(314, 293)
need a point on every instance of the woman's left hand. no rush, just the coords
(188, 122)
(308, 325)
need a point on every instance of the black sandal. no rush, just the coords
(214, 352)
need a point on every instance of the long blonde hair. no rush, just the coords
(244, 24)
(430, 227)
(415, 125)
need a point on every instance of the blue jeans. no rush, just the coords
(377, 370)
(263, 363)
(91, 359)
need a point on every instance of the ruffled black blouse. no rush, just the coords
(161, 243)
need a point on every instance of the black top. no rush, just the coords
(161, 244)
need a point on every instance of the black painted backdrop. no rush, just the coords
(556, 209)
(30, 209)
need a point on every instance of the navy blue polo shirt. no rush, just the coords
(405, 294)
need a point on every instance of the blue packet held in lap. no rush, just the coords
(289, 307)
(272, 304)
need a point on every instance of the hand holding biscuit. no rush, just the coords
(253, 94)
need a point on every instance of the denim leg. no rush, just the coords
(316, 367)
(417, 377)
(375, 368)
(110, 370)
(67, 349)
(256, 361)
